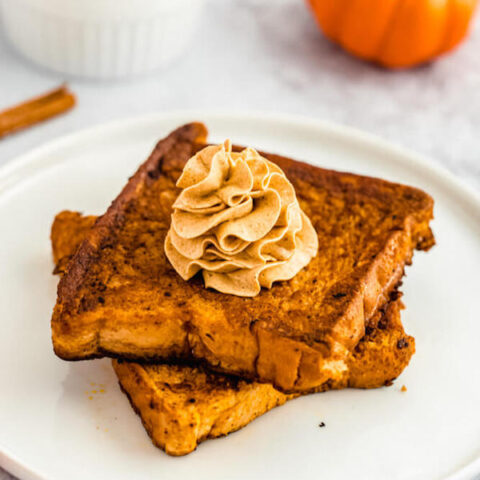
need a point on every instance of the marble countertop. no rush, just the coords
(267, 55)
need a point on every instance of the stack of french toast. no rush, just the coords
(197, 363)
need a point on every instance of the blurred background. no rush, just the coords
(270, 56)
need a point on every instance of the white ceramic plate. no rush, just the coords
(62, 420)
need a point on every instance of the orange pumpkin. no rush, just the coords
(395, 33)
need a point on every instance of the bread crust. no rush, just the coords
(121, 298)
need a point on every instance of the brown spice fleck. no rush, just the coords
(403, 389)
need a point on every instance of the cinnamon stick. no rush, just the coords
(36, 110)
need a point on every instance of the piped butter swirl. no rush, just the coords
(237, 219)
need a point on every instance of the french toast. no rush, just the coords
(120, 297)
(182, 405)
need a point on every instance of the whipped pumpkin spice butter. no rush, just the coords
(237, 219)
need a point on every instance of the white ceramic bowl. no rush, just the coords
(101, 38)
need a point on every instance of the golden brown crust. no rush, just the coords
(181, 405)
(120, 297)
(68, 231)
(383, 353)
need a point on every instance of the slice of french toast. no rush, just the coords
(120, 297)
(182, 405)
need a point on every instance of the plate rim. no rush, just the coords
(402, 154)
(341, 133)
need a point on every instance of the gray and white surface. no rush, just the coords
(268, 56)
